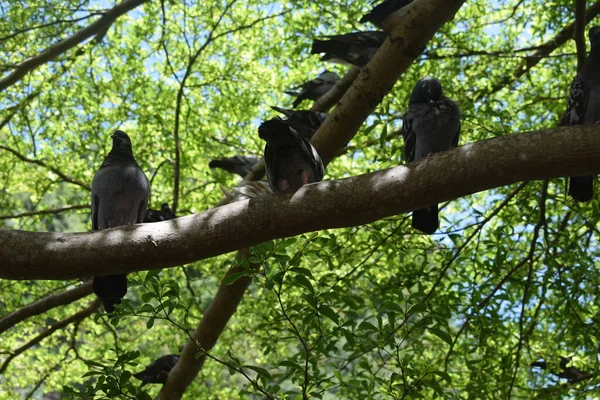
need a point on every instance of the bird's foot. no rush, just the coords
(304, 177)
(283, 185)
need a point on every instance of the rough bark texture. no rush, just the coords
(412, 30)
(358, 200)
(57, 49)
(207, 333)
(45, 304)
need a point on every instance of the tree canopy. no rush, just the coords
(348, 303)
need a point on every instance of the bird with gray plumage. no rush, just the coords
(290, 160)
(354, 48)
(305, 122)
(164, 214)
(120, 192)
(380, 12)
(246, 190)
(158, 370)
(240, 165)
(314, 89)
(431, 125)
(584, 109)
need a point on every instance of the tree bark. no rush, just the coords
(543, 154)
(412, 30)
(207, 332)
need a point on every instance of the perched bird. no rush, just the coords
(305, 122)
(290, 160)
(247, 190)
(164, 214)
(431, 125)
(584, 109)
(354, 48)
(572, 374)
(314, 89)
(382, 10)
(240, 165)
(120, 192)
(158, 370)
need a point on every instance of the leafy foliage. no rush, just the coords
(368, 312)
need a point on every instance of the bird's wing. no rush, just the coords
(578, 98)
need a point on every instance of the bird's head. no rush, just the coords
(121, 140)
(594, 35)
(427, 89)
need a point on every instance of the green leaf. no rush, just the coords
(441, 334)
(260, 371)
(329, 313)
(150, 323)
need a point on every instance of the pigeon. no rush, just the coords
(584, 108)
(572, 374)
(158, 370)
(354, 48)
(290, 160)
(304, 122)
(314, 89)
(382, 10)
(240, 165)
(246, 190)
(431, 125)
(164, 214)
(120, 192)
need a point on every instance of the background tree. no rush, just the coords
(371, 311)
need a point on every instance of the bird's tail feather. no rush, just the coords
(581, 188)
(110, 289)
(426, 219)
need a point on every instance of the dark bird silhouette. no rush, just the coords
(572, 374)
(164, 214)
(382, 10)
(431, 125)
(120, 192)
(584, 109)
(290, 160)
(239, 165)
(354, 48)
(314, 89)
(305, 122)
(158, 370)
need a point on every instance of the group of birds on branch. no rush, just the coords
(120, 189)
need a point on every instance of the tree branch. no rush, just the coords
(57, 49)
(543, 51)
(47, 211)
(412, 29)
(543, 154)
(45, 304)
(207, 332)
(86, 312)
(43, 164)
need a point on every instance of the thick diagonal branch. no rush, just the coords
(543, 154)
(45, 304)
(411, 31)
(59, 48)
